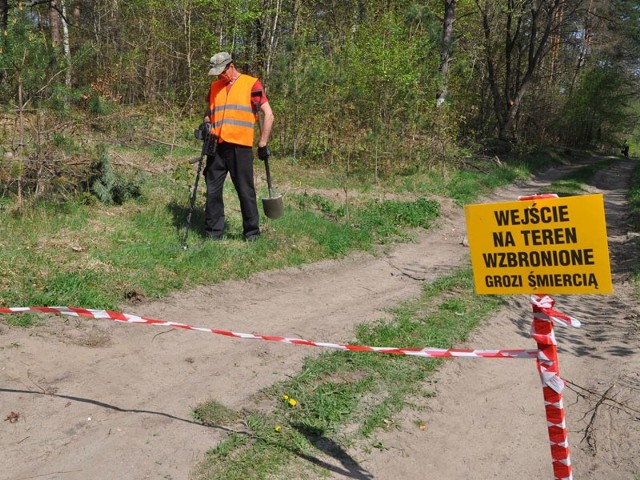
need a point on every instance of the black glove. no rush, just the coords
(264, 153)
(202, 131)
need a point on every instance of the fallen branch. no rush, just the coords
(124, 162)
(172, 145)
(616, 404)
(603, 399)
(589, 434)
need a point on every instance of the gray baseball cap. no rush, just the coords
(218, 62)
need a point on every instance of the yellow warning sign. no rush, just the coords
(548, 246)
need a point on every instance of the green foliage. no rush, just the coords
(352, 83)
(597, 110)
(110, 187)
(25, 57)
(373, 76)
(633, 196)
(99, 105)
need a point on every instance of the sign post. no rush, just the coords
(552, 384)
(543, 243)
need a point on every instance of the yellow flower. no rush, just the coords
(285, 396)
(277, 428)
(293, 402)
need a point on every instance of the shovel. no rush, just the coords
(272, 206)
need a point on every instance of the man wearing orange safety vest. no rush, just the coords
(235, 101)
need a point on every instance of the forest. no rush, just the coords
(378, 86)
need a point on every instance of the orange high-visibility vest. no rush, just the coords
(233, 115)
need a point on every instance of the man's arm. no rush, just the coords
(266, 124)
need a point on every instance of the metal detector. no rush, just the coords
(203, 132)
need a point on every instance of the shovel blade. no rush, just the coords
(273, 207)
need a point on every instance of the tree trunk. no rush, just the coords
(4, 14)
(537, 50)
(21, 137)
(54, 23)
(492, 78)
(445, 53)
(267, 35)
(527, 30)
(585, 44)
(65, 40)
(555, 46)
(186, 24)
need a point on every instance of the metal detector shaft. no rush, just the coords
(192, 203)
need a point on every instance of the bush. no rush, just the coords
(98, 105)
(108, 186)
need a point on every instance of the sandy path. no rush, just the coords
(487, 420)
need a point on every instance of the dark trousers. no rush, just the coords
(236, 160)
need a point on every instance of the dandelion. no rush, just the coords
(293, 402)
(285, 396)
(277, 428)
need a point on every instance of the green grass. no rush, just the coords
(213, 413)
(80, 252)
(575, 182)
(97, 256)
(633, 196)
(340, 399)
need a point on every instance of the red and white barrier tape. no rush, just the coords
(545, 311)
(538, 196)
(419, 352)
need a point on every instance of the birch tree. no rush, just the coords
(445, 52)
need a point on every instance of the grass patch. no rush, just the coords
(573, 184)
(98, 256)
(343, 398)
(213, 413)
(463, 180)
(633, 196)
(24, 320)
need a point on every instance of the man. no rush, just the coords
(235, 101)
(625, 149)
